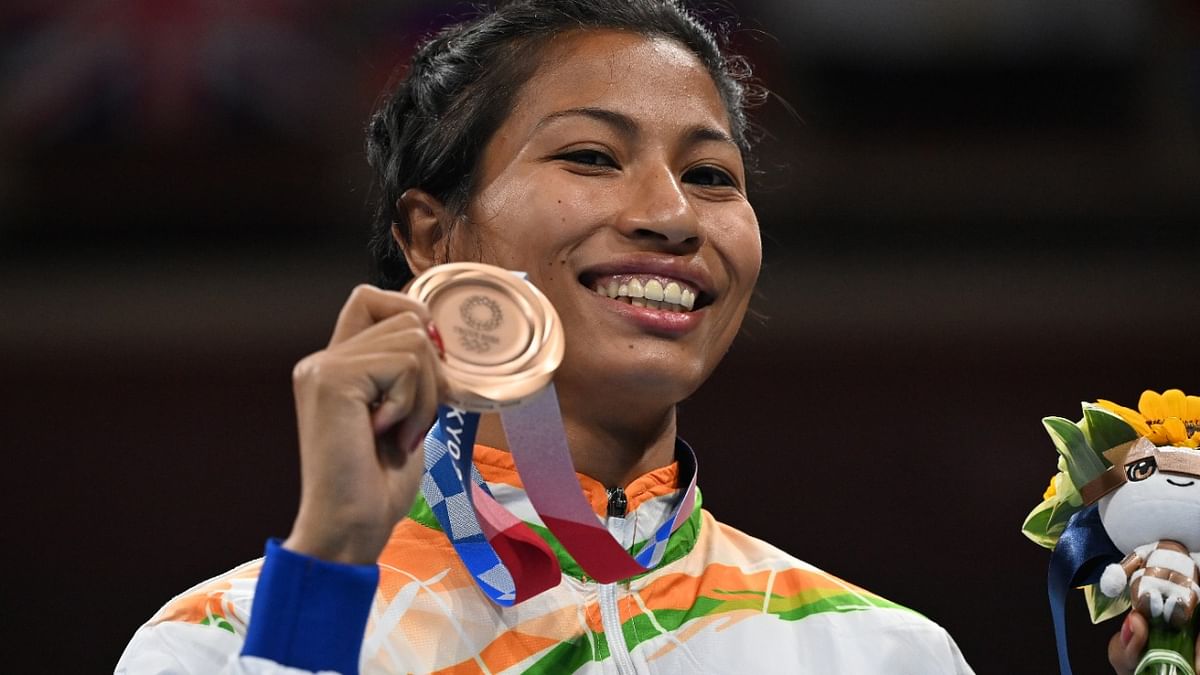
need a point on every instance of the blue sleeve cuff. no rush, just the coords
(310, 613)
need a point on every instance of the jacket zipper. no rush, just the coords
(617, 503)
(610, 617)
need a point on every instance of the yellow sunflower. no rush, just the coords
(1169, 418)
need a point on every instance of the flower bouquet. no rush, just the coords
(1122, 517)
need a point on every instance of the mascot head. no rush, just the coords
(1150, 493)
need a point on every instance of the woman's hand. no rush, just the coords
(363, 405)
(1125, 648)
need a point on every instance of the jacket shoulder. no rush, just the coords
(223, 601)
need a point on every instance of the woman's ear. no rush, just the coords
(428, 225)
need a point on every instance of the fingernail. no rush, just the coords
(1127, 629)
(418, 443)
(436, 337)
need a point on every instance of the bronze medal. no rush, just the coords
(502, 338)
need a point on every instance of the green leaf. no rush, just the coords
(1037, 526)
(1061, 515)
(1101, 607)
(1046, 523)
(1067, 492)
(1103, 429)
(1083, 463)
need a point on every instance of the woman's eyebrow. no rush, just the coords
(620, 122)
(627, 127)
(700, 133)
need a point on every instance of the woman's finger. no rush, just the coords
(407, 407)
(400, 322)
(397, 392)
(368, 306)
(360, 370)
(1126, 647)
(430, 386)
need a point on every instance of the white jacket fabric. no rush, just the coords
(720, 601)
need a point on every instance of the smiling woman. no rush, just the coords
(591, 182)
(600, 148)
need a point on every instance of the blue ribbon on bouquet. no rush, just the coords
(1078, 559)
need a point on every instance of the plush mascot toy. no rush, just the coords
(1123, 518)
(1153, 516)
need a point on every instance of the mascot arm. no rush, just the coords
(1116, 576)
(1136, 560)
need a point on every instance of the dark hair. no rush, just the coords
(460, 86)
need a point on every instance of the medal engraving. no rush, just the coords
(481, 313)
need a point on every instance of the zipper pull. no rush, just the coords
(617, 503)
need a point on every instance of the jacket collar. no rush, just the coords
(499, 470)
(649, 499)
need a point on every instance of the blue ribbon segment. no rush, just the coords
(449, 446)
(651, 555)
(1078, 559)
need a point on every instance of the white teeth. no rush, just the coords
(672, 294)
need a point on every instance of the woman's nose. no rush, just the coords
(659, 212)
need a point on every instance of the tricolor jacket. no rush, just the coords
(720, 601)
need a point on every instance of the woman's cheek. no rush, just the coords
(741, 245)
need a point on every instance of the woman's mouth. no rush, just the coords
(650, 290)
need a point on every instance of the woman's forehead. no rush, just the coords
(653, 79)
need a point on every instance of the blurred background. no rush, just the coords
(976, 214)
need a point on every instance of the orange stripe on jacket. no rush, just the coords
(679, 591)
(497, 466)
(519, 643)
(206, 601)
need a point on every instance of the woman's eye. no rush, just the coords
(589, 158)
(709, 176)
(1141, 470)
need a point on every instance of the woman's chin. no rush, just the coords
(631, 384)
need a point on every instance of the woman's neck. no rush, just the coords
(612, 446)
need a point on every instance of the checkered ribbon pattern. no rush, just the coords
(507, 559)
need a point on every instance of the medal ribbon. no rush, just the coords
(539, 446)
(509, 561)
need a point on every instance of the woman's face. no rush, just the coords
(615, 175)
